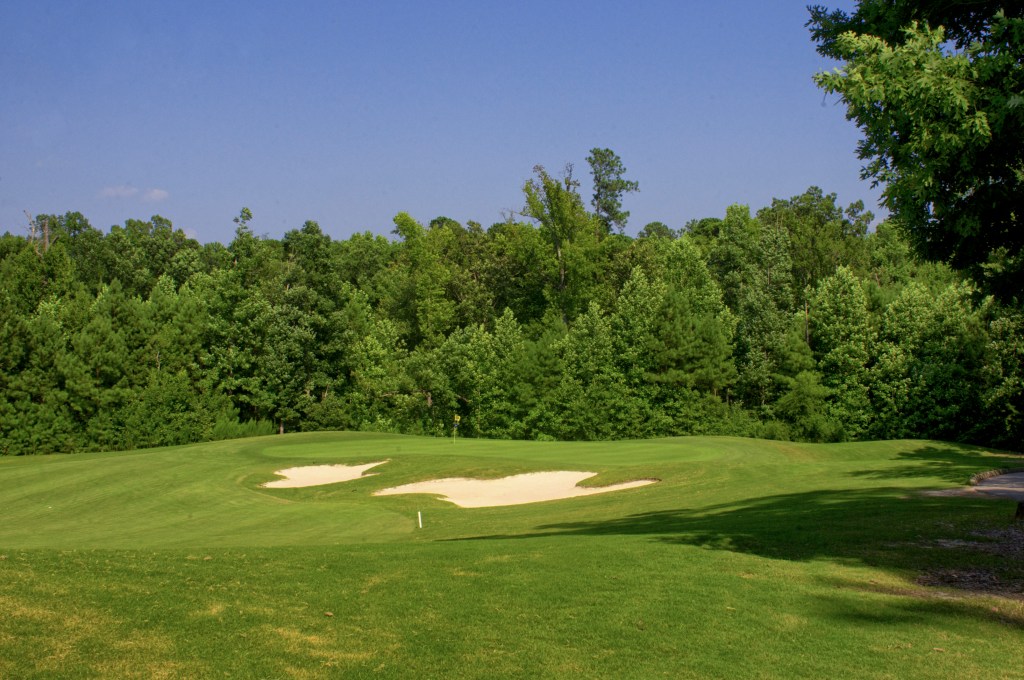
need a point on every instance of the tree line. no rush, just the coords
(794, 321)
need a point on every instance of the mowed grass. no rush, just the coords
(748, 559)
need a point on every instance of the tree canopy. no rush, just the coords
(792, 321)
(937, 89)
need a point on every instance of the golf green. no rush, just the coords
(746, 559)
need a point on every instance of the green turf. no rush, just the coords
(749, 559)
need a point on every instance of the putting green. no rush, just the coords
(214, 495)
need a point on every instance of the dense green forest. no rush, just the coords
(795, 321)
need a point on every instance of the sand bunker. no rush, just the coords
(531, 487)
(315, 475)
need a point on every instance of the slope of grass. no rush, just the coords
(748, 559)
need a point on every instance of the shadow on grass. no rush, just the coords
(798, 526)
(844, 523)
(917, 609)
(888, 526)
(950, 462)
(920, 537)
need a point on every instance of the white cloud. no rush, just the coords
(118, 191)
(155, 195)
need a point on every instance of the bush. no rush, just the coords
(228, 426)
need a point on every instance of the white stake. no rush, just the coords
(419, 518)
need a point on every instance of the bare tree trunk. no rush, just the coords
(807, 321)
(1020, 512)
(34, 225)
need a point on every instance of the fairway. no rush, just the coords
(747, 558)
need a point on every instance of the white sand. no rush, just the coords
(315, 475)
(532, 487)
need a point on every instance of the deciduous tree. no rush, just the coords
(937, 90)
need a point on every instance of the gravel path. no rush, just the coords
(1009, 486)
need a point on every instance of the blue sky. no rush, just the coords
(349, 112)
